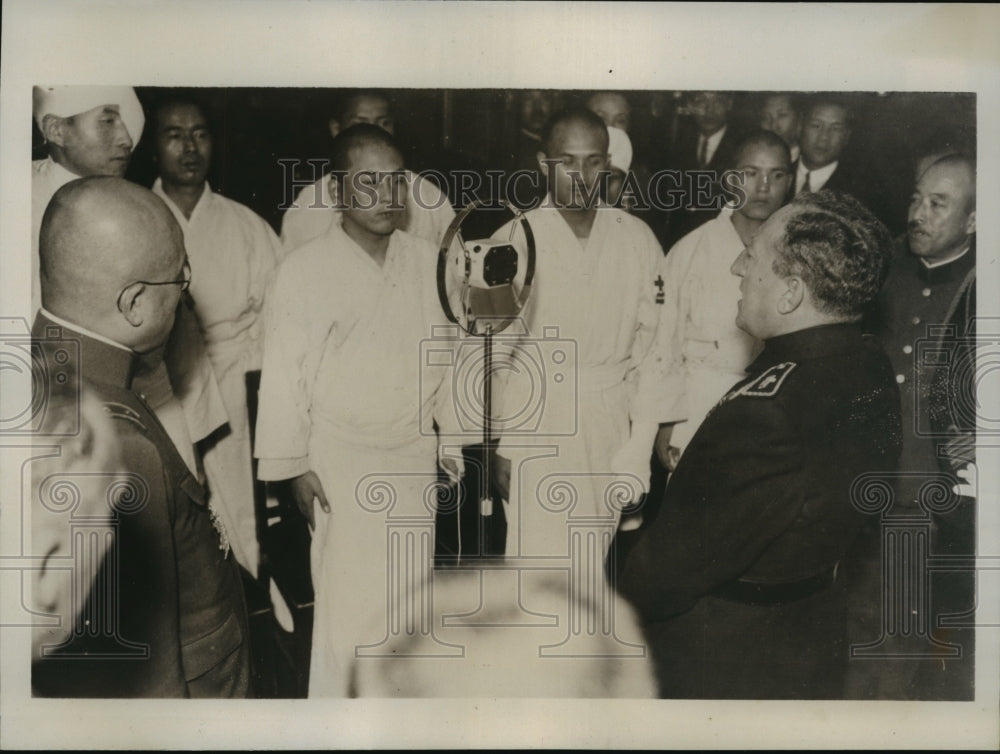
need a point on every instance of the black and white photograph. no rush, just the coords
(476, 375)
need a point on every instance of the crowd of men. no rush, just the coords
(746, 365)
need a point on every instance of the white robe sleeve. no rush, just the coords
(287, 377)
(264, 257)
(192, 377)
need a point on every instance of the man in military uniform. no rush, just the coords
(166, 617)
(924, 319)
(736, 577)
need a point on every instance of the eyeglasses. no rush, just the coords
(184, 282)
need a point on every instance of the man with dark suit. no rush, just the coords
(166, 617)
(736, 577)
(707, 145)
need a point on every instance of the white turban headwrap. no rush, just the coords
(619, 149)
(66, 101)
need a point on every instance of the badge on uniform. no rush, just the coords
(661, 296)
(121, 411)
(766, 385)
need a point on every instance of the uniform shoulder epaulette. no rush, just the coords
(769, 382)
(127, 413)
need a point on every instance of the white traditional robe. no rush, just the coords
(593, 335)
(188, 365)
(346, 392)
(428, 212)
(232, 252)
(705, 294)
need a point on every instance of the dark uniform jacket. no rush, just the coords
(911, 320)
(166, 616)
(762, 493)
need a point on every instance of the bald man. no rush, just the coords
(172, 620)
(91, 130)
(427, 211)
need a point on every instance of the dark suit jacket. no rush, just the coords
(166, 613)
(861, 183)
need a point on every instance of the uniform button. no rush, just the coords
(900, 379)
(926, 292)
(916, 320)
(907, 349)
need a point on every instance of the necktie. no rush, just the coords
(702, 151)
(805, 184)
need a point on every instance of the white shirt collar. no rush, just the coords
(817, 177)
(83, 330)
(205, 197)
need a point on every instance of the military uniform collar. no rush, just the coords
(806, 344)
(101, 361)
(951, 272)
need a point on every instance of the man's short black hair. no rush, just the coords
(348, 100)
(795, 100)
(762, 138)
(179, 98)
(838, 248)
(830, 99)
(573, 115)
(358, 136)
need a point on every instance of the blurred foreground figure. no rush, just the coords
(502, 656)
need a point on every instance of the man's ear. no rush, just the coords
(130, 303)
(793, 295)
(970, 224)
(334, 125)
(52, 129)
(541, 157)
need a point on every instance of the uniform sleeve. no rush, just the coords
(659, 394)
(727, 501)
(283, 425)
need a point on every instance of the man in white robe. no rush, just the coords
(91, 130)
(427, 214)
(704, 292)
(347, 404)
(232, 252)
(606, 379)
